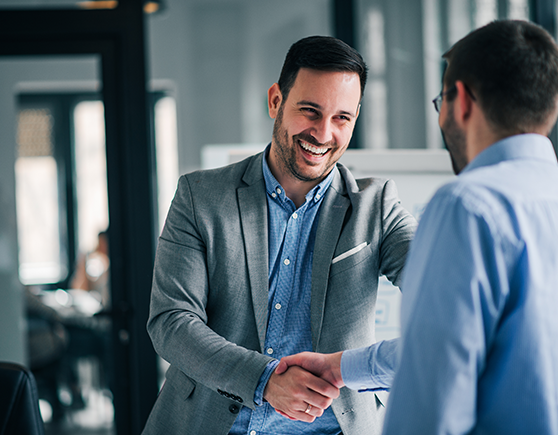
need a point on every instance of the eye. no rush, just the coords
(309, 110)
(344, 118)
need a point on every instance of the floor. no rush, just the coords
(92, 414)
(96, 418)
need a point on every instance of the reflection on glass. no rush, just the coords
(377, 114)
(376, 125)
(518, 9)
(167, 154)
(91, 173)
(376, 44)
(37, 200)
(485, 12)
(459, 20)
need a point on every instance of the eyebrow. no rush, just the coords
(317, 106)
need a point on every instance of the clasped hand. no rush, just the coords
(304, 385)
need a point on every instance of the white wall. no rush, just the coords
(220, 57)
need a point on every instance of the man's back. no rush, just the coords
(486, 297)
(521, 370)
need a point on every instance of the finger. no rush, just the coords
(281, 367)
(301, 416)
(314, 411)
(322, 387)
(284, 415)
(287, 361)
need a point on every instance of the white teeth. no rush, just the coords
(312, 148)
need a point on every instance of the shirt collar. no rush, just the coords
(521, 146)
(274, 189)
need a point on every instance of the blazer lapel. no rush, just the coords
(332, 214)
(252, 203)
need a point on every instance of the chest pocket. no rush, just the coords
(350, 258)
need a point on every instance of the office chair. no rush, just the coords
(19, 402)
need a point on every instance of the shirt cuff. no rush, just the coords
(370, 368)
(258, 394)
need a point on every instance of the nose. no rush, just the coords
(323, 131)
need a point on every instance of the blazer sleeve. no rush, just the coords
(178, 319)
(398, 229)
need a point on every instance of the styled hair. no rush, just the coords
(322, 53)
(511, 68)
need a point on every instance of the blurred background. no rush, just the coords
(104, 103)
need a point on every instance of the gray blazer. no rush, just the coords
(208, 312)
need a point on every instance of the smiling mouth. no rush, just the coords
(311, 149)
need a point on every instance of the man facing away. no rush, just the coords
(275, 255)
(479, 324)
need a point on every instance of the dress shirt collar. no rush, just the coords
(521, 146)
(275, 189)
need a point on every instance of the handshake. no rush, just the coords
(303, 386)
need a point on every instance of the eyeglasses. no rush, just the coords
(438, 100)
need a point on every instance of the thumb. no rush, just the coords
(281, 367)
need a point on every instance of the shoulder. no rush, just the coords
(365, 187)
(247, 171)
(474, 195)
(469, 204)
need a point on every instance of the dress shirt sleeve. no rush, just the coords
(450, 306)
(370, 368)
(258, 395)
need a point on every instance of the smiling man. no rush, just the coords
(272, 256)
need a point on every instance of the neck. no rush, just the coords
(295, 189)
(480, 136)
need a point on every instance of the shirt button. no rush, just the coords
(317, 196)
(273, 195)
(269, 350)
(277, 306)
(252, 432)
(295, 215)
(287, 262)
(278, 191)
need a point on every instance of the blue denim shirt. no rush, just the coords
(292, 233)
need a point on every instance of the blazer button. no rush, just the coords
(234, 409)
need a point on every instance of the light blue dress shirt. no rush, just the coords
(292, 233)
(479, 351)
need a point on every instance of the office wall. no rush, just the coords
(219, 58)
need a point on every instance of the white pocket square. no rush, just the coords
(349, 252)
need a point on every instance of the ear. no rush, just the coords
(274, 98)
(463, 104)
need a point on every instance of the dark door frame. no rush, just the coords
(116, 35)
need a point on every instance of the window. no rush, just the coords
(61, 179)
(40, 255)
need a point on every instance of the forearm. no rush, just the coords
(216, 356)
(206, 357)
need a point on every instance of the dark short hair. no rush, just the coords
(322, 53)
(512, 69)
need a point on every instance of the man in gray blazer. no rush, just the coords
(275, 255)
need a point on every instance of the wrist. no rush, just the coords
(261, 389)
(336, 369)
